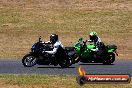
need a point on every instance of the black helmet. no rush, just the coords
(53, 38)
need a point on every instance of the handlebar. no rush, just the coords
(84, 42)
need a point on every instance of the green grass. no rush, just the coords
(48, 81)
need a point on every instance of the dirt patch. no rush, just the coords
(22, 22)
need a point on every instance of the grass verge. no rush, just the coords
(49, 81)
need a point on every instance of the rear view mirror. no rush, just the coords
(40, 39)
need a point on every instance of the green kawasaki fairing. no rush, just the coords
(85, 54)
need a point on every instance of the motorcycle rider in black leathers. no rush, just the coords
(54, 40)
(56, 43)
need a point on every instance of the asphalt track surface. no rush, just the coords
(16, 67)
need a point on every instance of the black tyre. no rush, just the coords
(75, 58)
(110, 59)
(29, 60)
(65, 63)
(70, 61)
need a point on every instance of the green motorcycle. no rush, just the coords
(83, 50)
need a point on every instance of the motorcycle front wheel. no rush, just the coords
(29, 60)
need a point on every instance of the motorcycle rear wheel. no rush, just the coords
(110, 59)
(65, 63)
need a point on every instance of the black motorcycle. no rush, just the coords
(63, 57)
